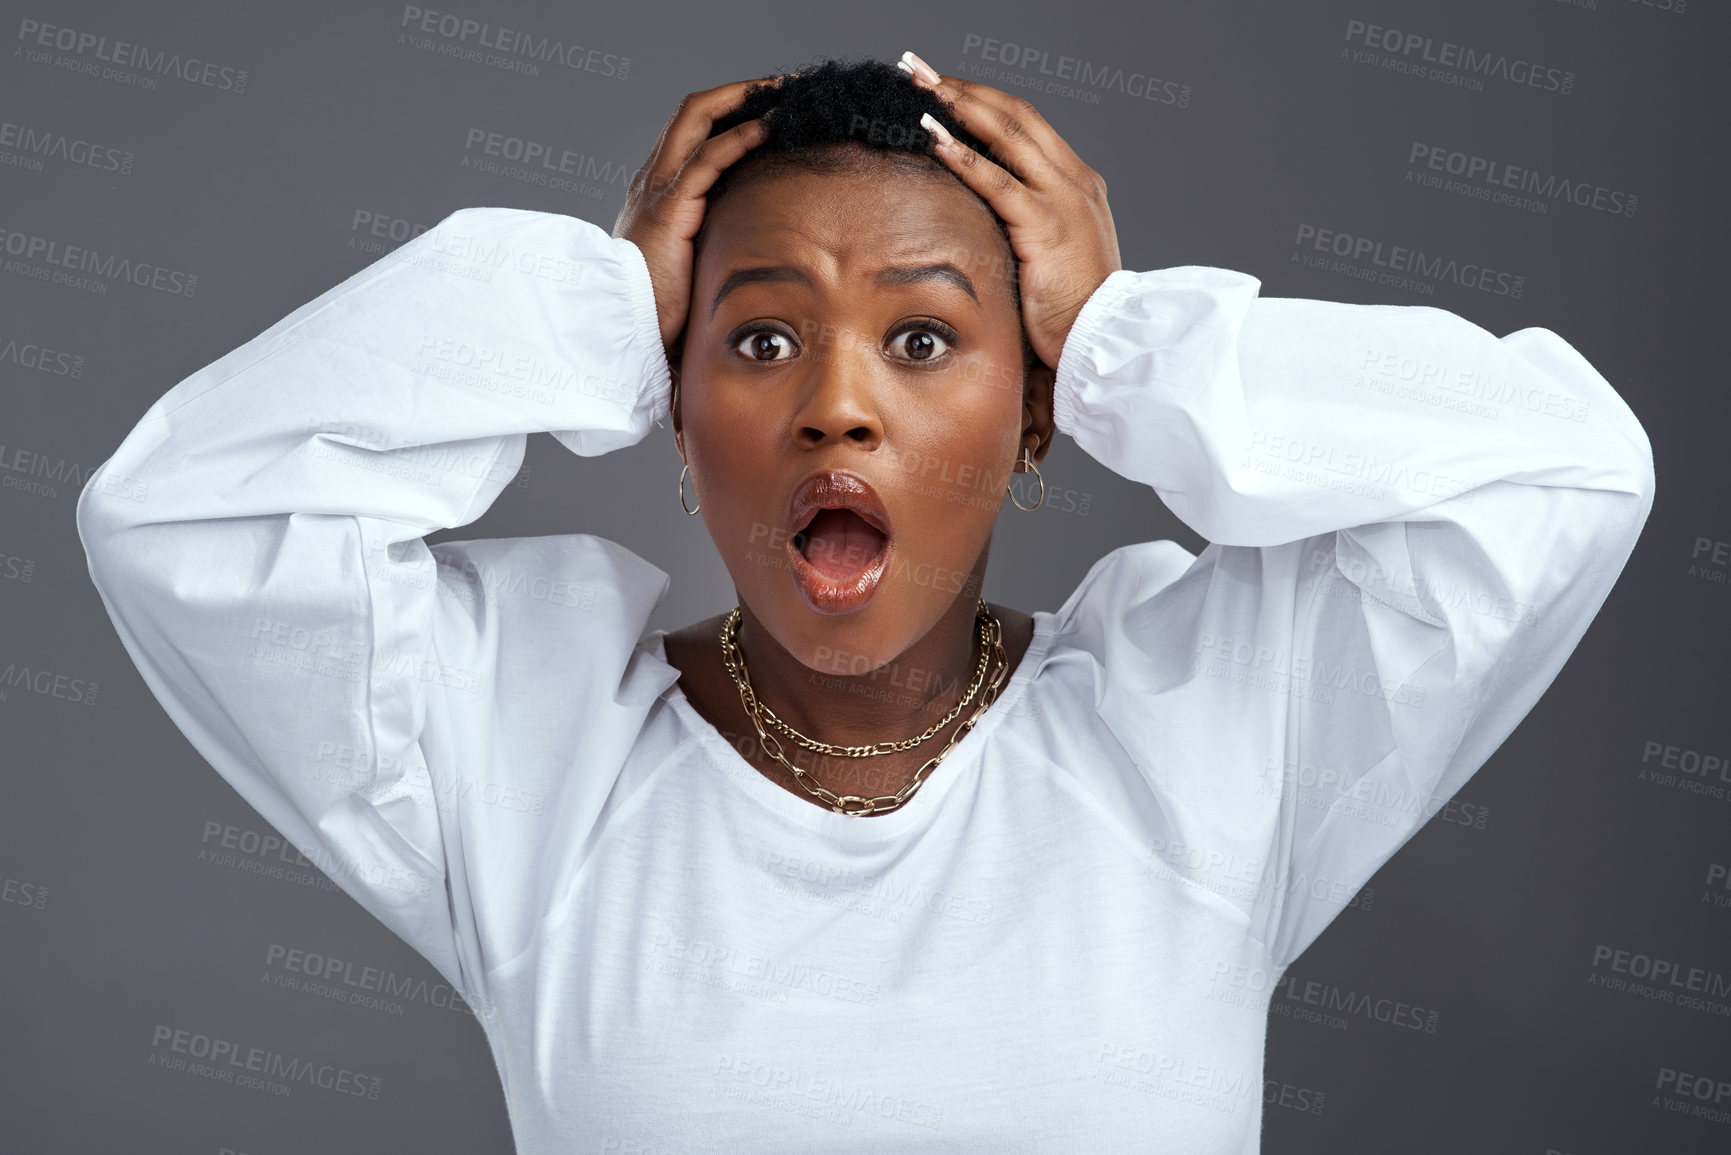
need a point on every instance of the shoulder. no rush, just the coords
(688, 647)
(1126, 578)
(554, 621)
(556, 577)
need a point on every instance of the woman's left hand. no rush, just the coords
(1054, 204)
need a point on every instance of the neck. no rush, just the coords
(898, 700)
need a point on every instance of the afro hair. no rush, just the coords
(845, 102)
(865, 103)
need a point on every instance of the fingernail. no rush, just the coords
(921, 70)
(931, 125)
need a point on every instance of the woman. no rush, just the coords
(1043, 909)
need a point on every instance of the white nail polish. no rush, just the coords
(923, 72)
(931, 125)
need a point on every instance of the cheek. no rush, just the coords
(732, 447)
(723, 421)
(952, 461)
(949, 445)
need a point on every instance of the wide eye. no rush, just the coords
(765, 345)
(923, 342)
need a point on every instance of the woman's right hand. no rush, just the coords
(665, 203)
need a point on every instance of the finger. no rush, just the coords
(1010, 126)
(1018, 137)
(1007, 106)
(708, 159)
(692, 122)
(1009, 197)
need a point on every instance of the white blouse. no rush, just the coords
(1069, 937)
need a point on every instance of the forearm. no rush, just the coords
(406, 392)
(1262, 421)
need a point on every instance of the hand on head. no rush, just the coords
(1054, 204)
(664, 205)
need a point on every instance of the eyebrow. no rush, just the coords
(761, 275)
(895, 275)
(943, 271)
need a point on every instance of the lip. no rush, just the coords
(836, 489)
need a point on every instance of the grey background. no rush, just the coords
(110, 922)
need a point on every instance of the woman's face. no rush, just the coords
(858, 323)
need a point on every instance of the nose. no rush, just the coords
(840, 401)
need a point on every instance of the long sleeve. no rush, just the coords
(1412, 523)
(257, 541)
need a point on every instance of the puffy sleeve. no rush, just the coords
(257, 541)
(1411, 524)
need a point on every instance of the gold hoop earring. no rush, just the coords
(1029, 462)
(682, 504)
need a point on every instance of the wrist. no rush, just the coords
(1072, 354)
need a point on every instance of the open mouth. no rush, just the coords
(840, 543)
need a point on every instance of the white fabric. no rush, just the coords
(1067, 940)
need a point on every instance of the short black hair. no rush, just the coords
(859, 102)
(836, 101)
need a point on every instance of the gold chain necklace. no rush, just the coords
(991, 642)
(984, 617)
